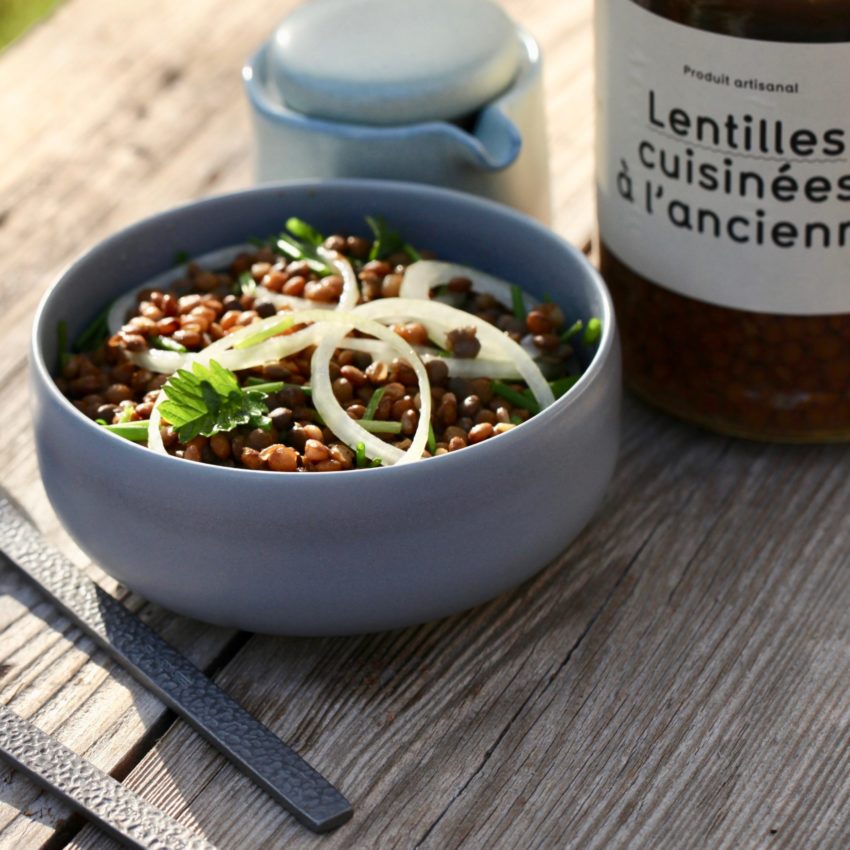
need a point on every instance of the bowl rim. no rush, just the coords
(606, 347)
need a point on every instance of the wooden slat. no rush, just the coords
(106, 121)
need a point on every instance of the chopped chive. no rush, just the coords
(360, 455)
(515, 397)
(561, 385)
(166, 343)
(93, 334)
(517, 303)
(376, 461)
(136, 432)
(593, 332)
(262, 336)
(572, 330)
(268, 387)
(290, 246)
(100, 422)
(377, 426)
(412, 252)
(252, 382)
(127, 414)
(372, 407)
(181, 258)
(516, 420)
(432, 439)
(298, 227)
(245, 284)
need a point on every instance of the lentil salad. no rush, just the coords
(308, 353)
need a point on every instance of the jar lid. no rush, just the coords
(393, 61)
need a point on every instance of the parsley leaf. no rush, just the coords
(209, 400)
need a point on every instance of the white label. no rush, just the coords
(723, 163)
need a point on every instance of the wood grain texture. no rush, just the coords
(679, 678)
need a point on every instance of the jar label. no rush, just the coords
(723, 163)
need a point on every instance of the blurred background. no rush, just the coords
(17, 16)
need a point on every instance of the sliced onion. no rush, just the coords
(445, 316)
(157, 360)
(279, 300)
(422, 276)
(347, 429)
(350, 289)
(460, 367)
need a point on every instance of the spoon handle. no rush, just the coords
(116, 809)
(254, 748)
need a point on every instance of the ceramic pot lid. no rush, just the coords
(393, 61)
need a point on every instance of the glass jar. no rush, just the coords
(723, 169)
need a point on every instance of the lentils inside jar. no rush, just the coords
(307, 353)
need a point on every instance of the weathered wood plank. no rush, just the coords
(94, 145)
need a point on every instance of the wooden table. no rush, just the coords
(679, 678)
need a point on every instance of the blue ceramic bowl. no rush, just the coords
(341, 552)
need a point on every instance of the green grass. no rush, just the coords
(17, 16)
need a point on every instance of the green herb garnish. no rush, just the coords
(303, 231)
(561, 385)
(387, 241)
(572, 330)
(268, 387)
(127, 414)
(360, 455)
(376, 462)
(374, 401)
(432, 439)
(302, 243)
(209, 400)
(593, 332)
(378, 426)
(136, 432)
(517, 303)
(261, 336)
(519, 399)
(255, 383)
(245, 284)
(166, 343)
(94, 334)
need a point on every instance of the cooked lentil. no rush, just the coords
(205, 305)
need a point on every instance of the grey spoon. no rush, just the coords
(239, 736)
